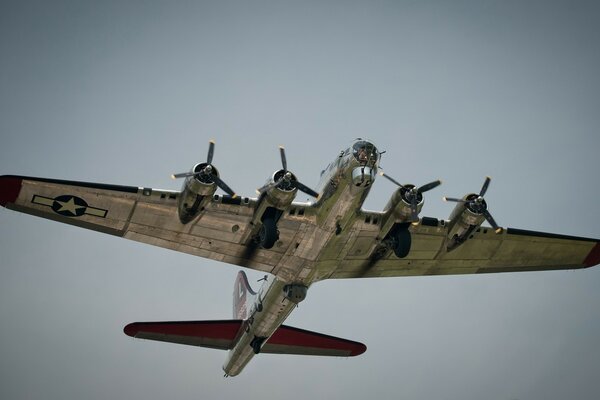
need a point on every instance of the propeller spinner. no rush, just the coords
(207, 173)
(285, 179)
(412, 194)
(477, 204)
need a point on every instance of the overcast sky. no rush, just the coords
(131, 92)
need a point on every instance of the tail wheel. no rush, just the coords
(268, 233)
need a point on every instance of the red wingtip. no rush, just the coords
(358, 350)
(10, 187)
(593, 258)
(131, 330)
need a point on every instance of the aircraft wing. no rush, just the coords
(485, 251)
(148, 215)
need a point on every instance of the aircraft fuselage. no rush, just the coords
(344, 185)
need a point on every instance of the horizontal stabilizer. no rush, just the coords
(290, 340)
(223, 334)
(214, 334)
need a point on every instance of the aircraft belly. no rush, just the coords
(311, 243)
(239, 356)
(323, 244)
(260, 326)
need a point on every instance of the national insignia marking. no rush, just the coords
(69, 206)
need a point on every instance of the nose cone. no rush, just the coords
(365, 152)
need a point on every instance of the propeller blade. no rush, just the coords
(283, 159)
(183, 175)
(188, 174)
(223, 186)
(300, 186)
(211, 151)
(429, 186)
(303, 188)
(413, 210)
(391, 179)
(491, 221)
(453, 199)
(485, 186)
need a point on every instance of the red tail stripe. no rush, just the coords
(209, 329)
(10, 187)
(287, 335)
(593, 257)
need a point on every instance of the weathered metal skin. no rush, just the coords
(462, 222)
(341, 199)
(339, 204)
(195, 194)
(272, 305)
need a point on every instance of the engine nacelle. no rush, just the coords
(464, 219)
(399, 204)
(275, 196)
(282, 195)
(196, 192)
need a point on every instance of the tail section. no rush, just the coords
(243, 297)
(224, 334)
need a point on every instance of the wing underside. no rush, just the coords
(150, 216)
(513, 250)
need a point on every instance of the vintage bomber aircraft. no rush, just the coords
(297, 243)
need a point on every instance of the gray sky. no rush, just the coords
(130, 92)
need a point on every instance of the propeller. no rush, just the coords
(477, 204)
(412, 194)
(207, 172)
(287, 179)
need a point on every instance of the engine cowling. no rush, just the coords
(464, 219)
(400, 205)
(196, 192)
(281, 196)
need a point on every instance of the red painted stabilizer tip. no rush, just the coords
(131, 330)
(358, 350)
(594, 257)
(10, 187)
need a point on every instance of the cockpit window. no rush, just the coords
(365, 152)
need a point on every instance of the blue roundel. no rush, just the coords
(69, 206)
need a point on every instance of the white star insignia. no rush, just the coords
(69, 206)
